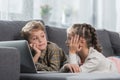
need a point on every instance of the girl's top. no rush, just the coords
(95, 62)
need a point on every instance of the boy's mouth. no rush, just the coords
(42, 44)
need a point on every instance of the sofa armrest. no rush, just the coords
(9, 63)
(115, 41)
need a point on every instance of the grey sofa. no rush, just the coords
(9, 64)
(110, 42)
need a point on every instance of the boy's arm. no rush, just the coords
(54, 62)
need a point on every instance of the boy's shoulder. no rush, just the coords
(52, 45)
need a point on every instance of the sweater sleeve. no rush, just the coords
(73, 59)
(90, 65)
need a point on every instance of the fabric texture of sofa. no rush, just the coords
(110, 41)
(9, 64)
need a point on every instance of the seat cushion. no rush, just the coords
(105, 42)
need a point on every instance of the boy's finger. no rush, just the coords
(31, 45)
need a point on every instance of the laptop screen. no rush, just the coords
(26, 64)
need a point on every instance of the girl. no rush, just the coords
(85, 52)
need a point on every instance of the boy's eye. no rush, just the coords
(42, 36)
(34, 38)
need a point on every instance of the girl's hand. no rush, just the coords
(74, 68)
(74, 44)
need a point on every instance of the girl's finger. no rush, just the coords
(77, 39)
(72, 40)
(76, 68)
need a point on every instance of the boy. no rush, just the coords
(47, 56)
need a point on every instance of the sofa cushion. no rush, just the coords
(58, 36)
(9, 63)
(104, 40)
(10, 30)
(115, 41)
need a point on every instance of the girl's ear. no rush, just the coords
(80, 44)
(82, 40)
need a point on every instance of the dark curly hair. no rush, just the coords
(88, 32)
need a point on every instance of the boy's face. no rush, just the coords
(38, 37)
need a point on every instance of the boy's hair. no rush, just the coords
(88, 32)
(30, 26)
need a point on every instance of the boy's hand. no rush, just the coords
(74, 44)
(74, 68)
(37, 51)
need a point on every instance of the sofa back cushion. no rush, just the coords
(115, 41)
(58, 36)
(10, 30)
(105, 42)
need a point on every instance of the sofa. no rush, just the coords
(9, 64)
(10, 30)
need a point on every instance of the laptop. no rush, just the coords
(26, 62)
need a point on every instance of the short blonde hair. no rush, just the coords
(30, 26)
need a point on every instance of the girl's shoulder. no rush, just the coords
(93, 53)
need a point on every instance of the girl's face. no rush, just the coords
(38, 37)
(74, 42)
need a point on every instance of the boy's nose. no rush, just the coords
(39, 40)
